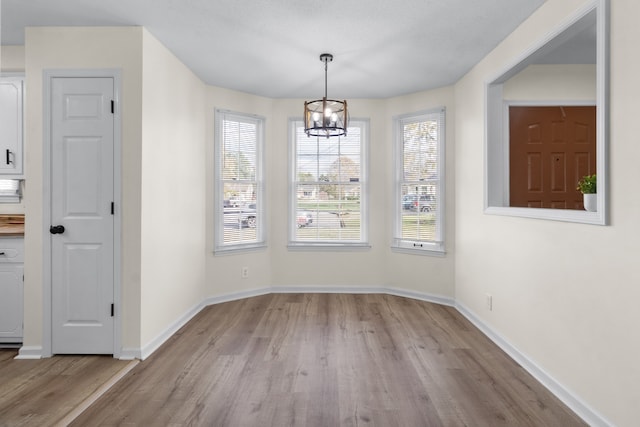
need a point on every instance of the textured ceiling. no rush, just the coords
(381, 48)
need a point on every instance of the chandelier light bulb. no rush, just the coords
(328, 112)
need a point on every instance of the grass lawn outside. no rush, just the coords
(419, 226)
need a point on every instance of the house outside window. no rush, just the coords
(239, 186)
(328, 192)
(419, 182)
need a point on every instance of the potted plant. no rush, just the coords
(587, 186)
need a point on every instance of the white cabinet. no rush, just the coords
(11, 289)
(11, 126)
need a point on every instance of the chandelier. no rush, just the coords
(325, 117)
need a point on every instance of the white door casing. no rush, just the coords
(82, 130)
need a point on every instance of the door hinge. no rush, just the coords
(112, 208)
(113, 106)
(112, 310)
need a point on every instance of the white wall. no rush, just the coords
(173, 189)
(432, 275)
(223, 271)
(74, 48)
(575, 82)
(319, 268)
(564, 294)
(12, 59)
(375, 267)
(163, 175)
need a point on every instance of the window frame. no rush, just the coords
(496, 175)
(436, 247)
(220, 247)
(363, 242)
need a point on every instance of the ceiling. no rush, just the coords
(271, 48)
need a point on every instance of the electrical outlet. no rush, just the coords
(489, 302)
(245, 272)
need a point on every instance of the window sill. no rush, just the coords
(328, 247)
(427, 250)
(9, 199)
(239, 249)
(565, 215)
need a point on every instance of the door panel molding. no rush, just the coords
(48, 76)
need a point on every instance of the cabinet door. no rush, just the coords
(11, 94)
(11, 302)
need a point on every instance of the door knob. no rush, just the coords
(56, 229)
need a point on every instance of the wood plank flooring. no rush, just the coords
(328, 360)
(44, 392)
(293, 360)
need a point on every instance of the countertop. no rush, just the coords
(11, 225)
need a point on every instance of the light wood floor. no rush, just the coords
(326, 360)
(44, 392)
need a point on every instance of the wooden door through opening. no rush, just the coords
(550, 149)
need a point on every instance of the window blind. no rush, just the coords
(328, 191)
(10, 190)
(419, 163)
(239, 209)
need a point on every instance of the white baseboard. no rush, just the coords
(130, 353)
(584, 411)
(236, 296)
(29, 352)
(438, 299)
(154, 344)
(325, 290)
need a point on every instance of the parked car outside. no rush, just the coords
(247, 216)
(230, 203)
(304, 219)
(422, 203)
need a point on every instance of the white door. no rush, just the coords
(82, 221)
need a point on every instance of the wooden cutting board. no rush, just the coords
(11, 225)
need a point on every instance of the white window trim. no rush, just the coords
(436, 248)
(496, 141)
(220, 248)
(362, 245)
